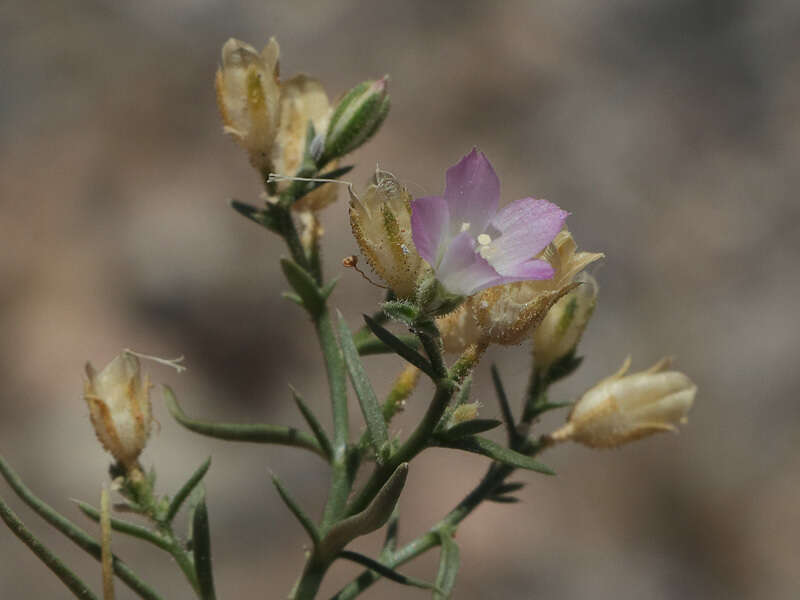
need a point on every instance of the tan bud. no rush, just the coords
(381, 223)
(507, 314)
(563, 325)
(464, 412)
(302, 101)
(623, 408)
(119, 407)
(248, 96)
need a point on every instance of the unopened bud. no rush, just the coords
(563, 325)
(119, 407)
(464, 412)
(248, 97)
(381, 224)
(623, 408)
(357, 118)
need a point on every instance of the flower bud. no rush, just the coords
(623, 408)
(357, 117)
(302, 101)
(464, 412)
(248, 98)
(506, 314)
(119, 407)
(563, 325)
(381, 224)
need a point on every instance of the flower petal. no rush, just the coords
(472, 192)
(429, 222)
(525, 228)
(530, 269)
(462, 270)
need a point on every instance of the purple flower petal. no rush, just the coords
(429, 222)
(472, 192)
(463, 271)
(525, 228)
(531, 269)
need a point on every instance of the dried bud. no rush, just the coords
(248, 98)
(563, 325)
(623, 408)
(302, 101)
(119, 407)
(506, 314)
(357, 117)
(381, 223)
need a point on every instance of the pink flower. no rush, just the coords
(470, 245)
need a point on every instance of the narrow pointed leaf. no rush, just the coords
(370, 407)
(467, 428)
(304, 284)
(298, 512)
(449, 562)
(505, 407)
(564, 367)
(390, 541)
(401, 348)
(254, 214)
(486, 447)
(242, 432)
(508, 488)
(186, 489)
(313, 423)
(67, 577)
(368, 520)
(503, 499)
(385, 571)
(202, 551)
(125, 527)
(74, 533)
(106, 559)
(370, 345)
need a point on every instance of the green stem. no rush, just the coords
(74, 533)
(68, 578)
(308, 585)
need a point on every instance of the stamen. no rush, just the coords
(175, 363)
(351, 262)
(465, 226)
(484, 239)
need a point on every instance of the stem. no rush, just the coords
(308, 585)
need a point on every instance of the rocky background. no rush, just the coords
(670, 130)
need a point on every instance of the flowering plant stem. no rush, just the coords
(495, 476)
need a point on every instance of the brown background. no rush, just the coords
(669, 129)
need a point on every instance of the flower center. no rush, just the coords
(484, 241)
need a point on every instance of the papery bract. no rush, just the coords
(470, 245)
(623, 408)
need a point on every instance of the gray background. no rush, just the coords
(669, 129)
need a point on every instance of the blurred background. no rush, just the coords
(670, 130)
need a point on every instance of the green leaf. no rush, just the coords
(411, 355)
(256, 215)
(202, 551)
(449, 561)
(67, 577)
(486, 447)
(385, 571)
(503, 499)
(74, 533)
(368, 520)
(299, 513)
(304, 284)
(390, 541)
(125, 527)
(467, 428)
(186, 489)
(564, 367)
(505, 407)
(508, 488)
(369, 345)
(370, 407)
(243, 432)
(313, 423)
